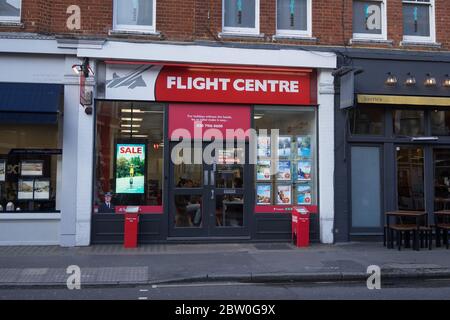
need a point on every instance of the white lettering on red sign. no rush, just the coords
(241, 85)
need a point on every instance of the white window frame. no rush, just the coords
(298, 33)
(370, 36)
(243, 31)
(135, 28)
(432, 37)
(11, 18)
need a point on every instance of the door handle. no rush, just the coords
(212, 194)
(205, 178)
(213, 177)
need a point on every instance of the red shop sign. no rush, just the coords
(202, 120)
(190, 84)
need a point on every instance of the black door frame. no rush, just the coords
(209, 193)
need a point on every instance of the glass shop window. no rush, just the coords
(410, 123)
(129, 157)
(440, 123)
(418, 20)
(366, 121)
(293, 17)
(286, 166)
(241, 16)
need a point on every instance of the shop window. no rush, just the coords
(30, 167)
(369, 19)
(440, 123)
(409, 123)
(286, 171)
(10, 10)
(129, 157)
(241, 16)
(294, 17)
(418, 20)
(366, 121)
(138, 15)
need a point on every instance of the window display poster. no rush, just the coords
(32, 168)
(304, 194)
(264, 147)
(25, 189)
(2, 170)
(284, 146)
(284, 170)
(304, 146)
(284, 194)
(304, 170)
(41, 189)
(130, 168)
(263, 194)
(263, 170)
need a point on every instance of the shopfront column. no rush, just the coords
(76, 201)
(326, 154)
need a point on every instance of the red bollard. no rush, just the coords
(131, 230)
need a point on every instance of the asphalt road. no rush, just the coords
(424, 290)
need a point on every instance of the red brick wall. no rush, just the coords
(190, 20)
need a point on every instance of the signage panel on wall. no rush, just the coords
(208, 84)
(130, 168)
(197, 119)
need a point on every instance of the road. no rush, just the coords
(423, 290)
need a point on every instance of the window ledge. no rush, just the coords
(409, 43)
(30, 216)
(234, 35)
(293, 37)
(155, 34)
(9, 24)
(371, 41)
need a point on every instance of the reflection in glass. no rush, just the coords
(187, 174)
(367, 121)
(409, 122)
(229, 211)
(440, 123)
(188, 211)
(410, 178)
(441, 179)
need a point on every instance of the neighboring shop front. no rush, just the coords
(394, 142)
(157, 122)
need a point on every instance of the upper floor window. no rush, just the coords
(10, 10)
(418, 20)
(241, 16)
(369, 19)
(294, 17)
(136, 15)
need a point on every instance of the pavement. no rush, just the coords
(112, 265)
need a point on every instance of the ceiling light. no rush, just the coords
(410, 80)
(140, 136)
(132, 111)
(258, 116)
(129, 131)
(131, 119)
(130, 125)
(446, 82)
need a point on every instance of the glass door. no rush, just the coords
(410, 178)
(441, 160)
(207, 190)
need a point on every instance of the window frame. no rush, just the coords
(135, 28)
(370, 36)
(432, 37)
(297, 33)
(242, 31)
(13, 19)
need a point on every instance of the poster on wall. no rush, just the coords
(32, 168)
(304, 146)
(304, 171)
(284, 146)
(25, 189)
(130, 168)
(41, 189)
(263, 170)
(284, 170)
(304, 194)
(263, 194)
(264, 147)
(284, 194)
(2, 170)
